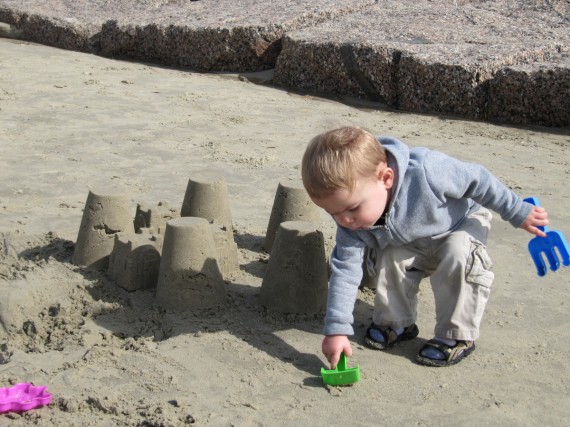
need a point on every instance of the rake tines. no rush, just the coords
(553, 247)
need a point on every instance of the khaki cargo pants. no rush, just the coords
(459, 270)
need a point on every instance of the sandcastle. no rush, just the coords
(130, 249)
(104, 216)
(189, 274)
(292, 203)
(186, 254)
(207, 197)
(296, 277)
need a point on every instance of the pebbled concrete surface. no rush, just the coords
(502, 61)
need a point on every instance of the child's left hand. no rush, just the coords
(538, 217)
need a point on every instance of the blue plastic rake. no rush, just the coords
(550, 247)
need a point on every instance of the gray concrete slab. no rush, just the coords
(206, 35)
(436, 57)
(531, 93)
(503, 60)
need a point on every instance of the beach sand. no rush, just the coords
(72, 122)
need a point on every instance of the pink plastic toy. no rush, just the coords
(23, 397)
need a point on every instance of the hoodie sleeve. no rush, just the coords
(452, 178)
(346, 275)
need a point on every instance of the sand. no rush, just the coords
(72, 122)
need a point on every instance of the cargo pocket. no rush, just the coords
(479, 275)
(479, 265)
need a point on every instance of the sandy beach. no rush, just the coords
(72, 122)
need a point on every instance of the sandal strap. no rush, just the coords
(451, 353)
(389, 335)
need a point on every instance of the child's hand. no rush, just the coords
(537, 217)
(333, 345)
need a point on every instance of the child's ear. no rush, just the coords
(386, 175)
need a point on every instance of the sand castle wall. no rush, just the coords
(135, 261)
(154, 219)
(460, 58)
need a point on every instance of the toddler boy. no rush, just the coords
(408, 213)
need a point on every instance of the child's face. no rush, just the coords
(361, 208)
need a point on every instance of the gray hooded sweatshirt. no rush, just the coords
(432, 195)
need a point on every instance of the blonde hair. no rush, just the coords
(338, 158)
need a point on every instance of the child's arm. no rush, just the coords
(451, 178)
(333, 346)
(537, 217)
(346, 274)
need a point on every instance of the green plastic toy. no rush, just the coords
(341, 375)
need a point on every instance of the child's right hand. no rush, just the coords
(537, 217)
(333, 346)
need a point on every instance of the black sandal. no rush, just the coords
(389, 335)
(450, 355)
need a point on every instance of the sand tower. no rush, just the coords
(207, 197)
(105, 215)
(291, 203)
(189, 276)
(295, 280)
